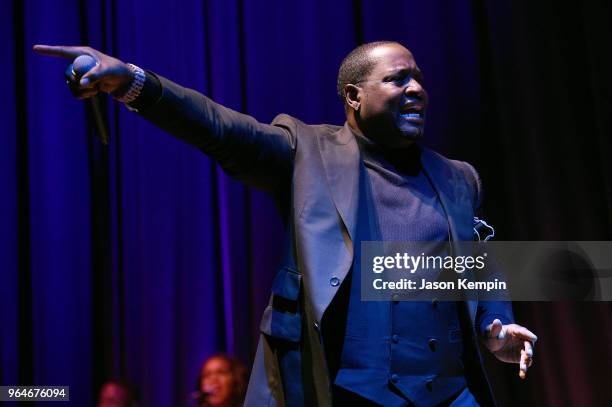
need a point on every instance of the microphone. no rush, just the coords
(199, 396)
(81, 65)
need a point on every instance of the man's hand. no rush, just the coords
(110, 75)
(511, 343)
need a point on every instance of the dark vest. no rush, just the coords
(400, 350)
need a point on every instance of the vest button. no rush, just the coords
(334, 281)
(394, 378)
(432, 344)
(395, 298)
(434, 303)
(395, 338)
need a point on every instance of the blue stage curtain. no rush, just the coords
(140, 259)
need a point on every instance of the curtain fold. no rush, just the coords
(140, 259)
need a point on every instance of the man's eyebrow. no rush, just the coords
(398, 69)
(405, 70)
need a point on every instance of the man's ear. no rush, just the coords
(352, 96)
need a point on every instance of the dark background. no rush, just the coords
(141, 259)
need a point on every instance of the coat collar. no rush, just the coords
(341, 160)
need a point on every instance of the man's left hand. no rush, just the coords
(511, 343)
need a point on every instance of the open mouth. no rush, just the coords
(413, 112)
(212, 390)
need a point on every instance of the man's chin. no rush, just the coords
(402, 139)
(412, 133)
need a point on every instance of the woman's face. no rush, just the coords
(217, 381)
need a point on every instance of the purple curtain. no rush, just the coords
(140, 259)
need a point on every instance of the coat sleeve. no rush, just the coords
(260, 155)
(487, 311)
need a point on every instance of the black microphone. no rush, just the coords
(81, 65)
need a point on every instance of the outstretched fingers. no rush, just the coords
(525, 363)
(521, 332)
(528, 339)
(107, 75)
(62, 51)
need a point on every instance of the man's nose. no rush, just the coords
(415, 89)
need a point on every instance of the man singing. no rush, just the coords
(336, 187)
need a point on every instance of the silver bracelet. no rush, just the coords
(135, 86)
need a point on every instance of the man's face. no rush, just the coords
(392, 98)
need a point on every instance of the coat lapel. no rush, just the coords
(341, 158)
(453, 193)
(455, 198)
(327, 245)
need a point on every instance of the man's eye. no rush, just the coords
(400, 79)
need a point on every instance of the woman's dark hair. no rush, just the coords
(239, 373)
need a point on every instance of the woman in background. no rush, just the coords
(222, 382)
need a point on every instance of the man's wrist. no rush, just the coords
(132, 91)
(146, 95)
(150, 94)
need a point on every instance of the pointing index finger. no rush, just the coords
(63, 51)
